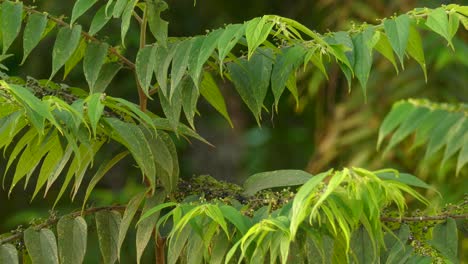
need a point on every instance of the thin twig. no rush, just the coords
(423, 218)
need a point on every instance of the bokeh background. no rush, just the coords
(331, 128)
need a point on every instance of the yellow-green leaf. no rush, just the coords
(210, 91)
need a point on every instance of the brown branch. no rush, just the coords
(423, 218)
(87, 36)
(54, 220)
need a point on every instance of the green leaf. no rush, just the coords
(95, 110)
(8, 254)
(165, 158)
(227, 41)
(158, 26)
(145, 226)
(462, 157)
(445, 240)
(163, 58)
(361, 246)
(135, 111)
(100, 19)
(131, 136)
(233, 215)
(398, 114)
(118, 8)
(286, 63)
(179, 64)
(219, 249)
(273, 179)
(163, 124)
(107, 226)
(33, 31)
(102, 170)
(190, 96)
(405, 178)
(93, 60)
(415, 49)
(72, 237)
(126, 17)
(210, 91)
(301, 201)
(65, 45)
(397, 249)
(80, 7)
(172, 108)
(12, 14)
(201, 52)
(397, 30)
(384, 47)
(437, 20)
(130, 211)
(41, 246)
(108, 72)
(144, 66)
(457, 137)
(363, 57)
(256, 32)
(438, 134)
(75, 58)
(252, 78)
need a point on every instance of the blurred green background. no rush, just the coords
(331, 128)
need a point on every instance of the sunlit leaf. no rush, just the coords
(210, 91)
(437, 20)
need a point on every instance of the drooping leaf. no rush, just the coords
(179, 64)
(108, 72)
(190, 95)
(286, 63)
(384, 47)
(8, 254)
(126, 17)
(100, 19)
(144, 66)
(146, 226)
(210, 91)
(163, 58)
(33, 31)
(397, 249)
(12, 13)
(397, 30)
(131, 136)
(118, 8)
(361, 247)
(72, 238)
(445, 240)
(93, 60)
(415, 49)
(130, 211)
(94, 110)
(437, 20)
(157, 25)
(274, 179)
(172, 108)
(227, 41)
(163, 124)
(398, 113)
(363, 57)
(256, 32)
(107, 226)
(65, 44)
(80, 7)
(75, 58)
(251, 79)
(202, 48)
(41, 246)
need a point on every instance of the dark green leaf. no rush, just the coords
(100, 19)
(108, 72)
(158, 26)
(462, 157)
(179, 64)
(445, 239)
(107, 226)
(200, 54)
(93, 60)
(190, 96)
(126, 17)
(33, 31)
(163, 58)
(362, 246)
(405, 178)
(41, 246)
(118, 8)
(80, 7)
(130, 211)
(398, 114)
(172, 108)
(65, 44)
(94, 110)
(273, 179)
(12, 13)
(144, 66)
(363, 56)
(72, 237)
(75, 58)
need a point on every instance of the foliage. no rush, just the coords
(53, 131)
